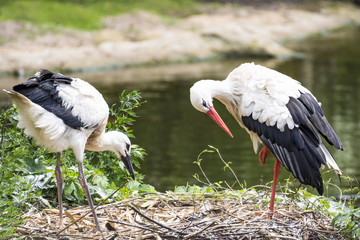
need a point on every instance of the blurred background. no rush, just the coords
(162, 47)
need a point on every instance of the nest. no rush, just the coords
(240, 215)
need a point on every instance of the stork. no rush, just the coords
(60, 112)
(277, 111)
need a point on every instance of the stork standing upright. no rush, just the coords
(60, 112)
(277, 111)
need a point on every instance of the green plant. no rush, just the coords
(27, 178)
(349, 222)
(15, 191)
(216, 185)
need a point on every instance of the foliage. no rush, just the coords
(349, 221)
(349, 218)
(344, 217)
(27, 178)
(84, 14)
(15, 190)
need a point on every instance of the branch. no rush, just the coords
(153, 221)
(200, 231)
(102, 202)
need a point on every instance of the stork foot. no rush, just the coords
(263, 154)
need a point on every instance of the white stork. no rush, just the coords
(277, 111)
(60, 112)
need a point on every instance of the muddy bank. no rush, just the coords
(143, 38)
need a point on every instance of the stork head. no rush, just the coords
(202, 100)
(121, 146)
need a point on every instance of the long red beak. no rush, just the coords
(216, 117)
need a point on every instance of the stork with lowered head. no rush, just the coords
(277, 111)
(60, 112)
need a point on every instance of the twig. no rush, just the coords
(161, 234)
(153, 221)
(91, 209)
(275, 236)
(46, 233)
(324, 231)
(200, 231)
(75, 236)
(36, 229)
(136, 226)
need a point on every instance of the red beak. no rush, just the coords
(216, 117)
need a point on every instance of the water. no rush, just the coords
(174, 133)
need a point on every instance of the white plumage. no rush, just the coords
(85, 102)
(49, 130)
(61, 113)
(277, 111)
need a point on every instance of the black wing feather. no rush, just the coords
(298, 149)
(297, 139)
(42, 90)
(316, 116)
(300, 162)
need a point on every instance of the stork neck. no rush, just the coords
(107, 143)
(220, 90)
(228, 94)
(102, 142)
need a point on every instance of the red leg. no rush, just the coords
(263, 154)
(273, 190)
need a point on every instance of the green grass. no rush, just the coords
(86, 14)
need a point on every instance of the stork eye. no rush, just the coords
(204, 103)
(127, 146)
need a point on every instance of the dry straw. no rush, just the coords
(193, 212)
(226, 215)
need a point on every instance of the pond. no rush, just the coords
(173, 133)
